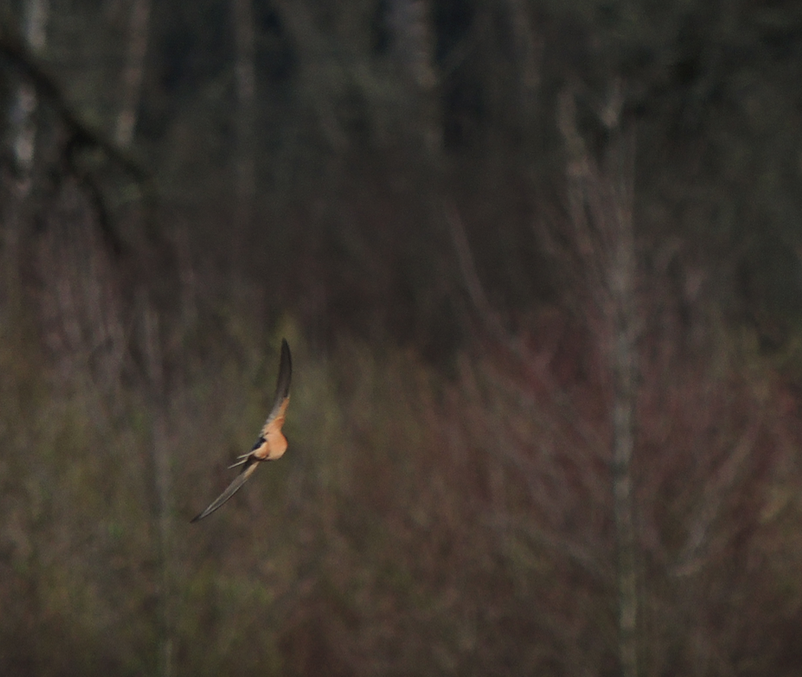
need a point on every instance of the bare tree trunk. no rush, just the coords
(410, 22)
(133, 73)
(528, 59)
(601, 202)
(163, 485)
(26, 100)
(623, 366)
(23, 146)
(245, 158)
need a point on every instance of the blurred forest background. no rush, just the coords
(539, 264)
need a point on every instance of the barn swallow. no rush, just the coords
(271, 443)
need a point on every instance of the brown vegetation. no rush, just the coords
(530, 430)
(421, 523)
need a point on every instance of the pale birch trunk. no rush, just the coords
(245, 158)
(413, 38)
(601, 240)
(23, 146)
(601, 203)
(528, 56)
(160, 450)
(26, 100)
(623, 364)
(133, 72)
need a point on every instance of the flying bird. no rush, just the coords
(271, 443)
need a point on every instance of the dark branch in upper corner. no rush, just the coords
(81, 134)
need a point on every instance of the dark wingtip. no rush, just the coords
(285, 350)
(283, 385)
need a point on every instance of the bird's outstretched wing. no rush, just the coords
(275, 418)
(271, 443)
(232, 489)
